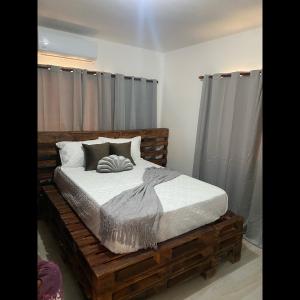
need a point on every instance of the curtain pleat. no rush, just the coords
(77, 100)
(201, 137)
(254, 220)
(153, 103)
(119, 115)
(228, 143)
(51, 99)
(105, 101)
(90, 102)
(132, 110)
(65, 100)
(41, 89)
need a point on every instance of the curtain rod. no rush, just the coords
(227, 75)
(92, 72)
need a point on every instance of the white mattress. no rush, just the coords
(187, 203)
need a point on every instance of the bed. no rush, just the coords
(195, 232)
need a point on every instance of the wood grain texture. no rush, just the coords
(154, 146)
(105, 275)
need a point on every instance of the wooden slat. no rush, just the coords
(80, 233)
(93, 249)
(188, 273)
(159, 161)
(153, 143)
(74, 227)
(187, 247)
(47, 164)
(136, 288)
(45, 146)
(46, 174)
(191, 261)
(154, 153)
(52, 137)
(47, 154)
(135, 269)
(90, 240)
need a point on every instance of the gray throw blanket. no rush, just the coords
(132, 217)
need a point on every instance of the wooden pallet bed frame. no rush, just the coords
(108, 276)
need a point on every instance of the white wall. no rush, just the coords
(119, 58)
(179, 89)
(182, 88)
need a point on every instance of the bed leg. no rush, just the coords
(235, 254)
(102, 287)
(212, 269)
(209, 273)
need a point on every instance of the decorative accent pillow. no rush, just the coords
(93, 153)
(114, 163)
(122, 149)
(71, 152)
(135, 149)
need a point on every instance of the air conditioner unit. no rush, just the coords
(64, 44)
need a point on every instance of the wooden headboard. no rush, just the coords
(153, 146)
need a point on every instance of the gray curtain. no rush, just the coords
(97, 101)
(135, 103)
(79, 100)
(228, 149)
(59, 100)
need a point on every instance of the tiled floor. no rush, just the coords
(239, 281)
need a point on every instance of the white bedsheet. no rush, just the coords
(187, 203)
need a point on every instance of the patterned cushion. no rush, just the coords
(114, 163)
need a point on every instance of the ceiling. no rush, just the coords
(160, 25)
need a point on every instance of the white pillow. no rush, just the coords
(71, 153)
(135, 150)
